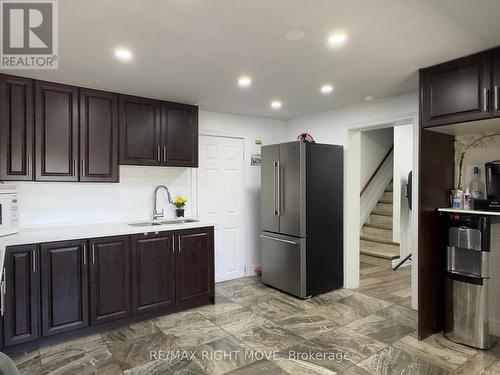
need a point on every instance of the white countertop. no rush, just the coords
(35, 235)
(470, 212)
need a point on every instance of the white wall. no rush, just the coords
(332, 126)
(249, 128)
(403, 164)
(48, 203)
(374, 147)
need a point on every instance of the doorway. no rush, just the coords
(389, 195)
(221, 191)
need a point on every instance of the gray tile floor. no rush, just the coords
(253, 329)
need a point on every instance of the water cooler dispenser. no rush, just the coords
(467, 308)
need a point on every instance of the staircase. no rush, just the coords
(376, 244)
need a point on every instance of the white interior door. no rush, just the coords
(221, 192)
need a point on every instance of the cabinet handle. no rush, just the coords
(180, 250)
(93, 253)
(29, 165)
(3, 292)
(83, 167)
(485, 100)
(164, 154)
(158, 154)
(173, 244)
(496, 98)
(33, 260)
(84, 254)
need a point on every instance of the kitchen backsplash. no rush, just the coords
(475, 156)
(131, 199)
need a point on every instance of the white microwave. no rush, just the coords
(9, 209)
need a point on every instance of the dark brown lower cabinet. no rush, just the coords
(21, 299)
(110, 279)
(153, 272)
(64, 286)
(195, 267)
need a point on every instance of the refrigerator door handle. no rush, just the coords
(279, 187)
(274, 188)
(278, 239)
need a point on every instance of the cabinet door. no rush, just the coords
(21, 300)
(64, 287)
(16, 128)
(110, 293)
(153, 273)
(140, 125)
(195, 267)
(56, 132)
(98, 136)
(456, 91)
(496, 83)
(180, 135)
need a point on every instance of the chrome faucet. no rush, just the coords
(159, 214)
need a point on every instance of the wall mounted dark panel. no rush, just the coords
(436, 179)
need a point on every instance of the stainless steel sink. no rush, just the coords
(166, 222)
(179, 221)
(148, 224)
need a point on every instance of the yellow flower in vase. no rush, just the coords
(180, 202)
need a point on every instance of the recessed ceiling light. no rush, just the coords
(123, 54)
(337, 40)
(244, 81)
(326, 89)
(368, 98)
(276, 104)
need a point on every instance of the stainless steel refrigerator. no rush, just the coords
(302, 217)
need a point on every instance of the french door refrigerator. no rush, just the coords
(302, 217)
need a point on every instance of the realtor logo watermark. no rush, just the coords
(29, 37)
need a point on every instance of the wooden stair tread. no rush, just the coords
(379, 250)
(378, 226)
(384, 201)
(378, 239)
(381, 213)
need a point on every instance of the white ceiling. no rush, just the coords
(193, 50)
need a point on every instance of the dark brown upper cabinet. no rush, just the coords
(21, 299)
(140, 131)
(153, 272)
(16, 128)
(456, 91)
(495, 97)
(110, 280)
(179, 135)
(64, 286)
(195, 267)
(56, 132)
(158, 133)
(98, 136)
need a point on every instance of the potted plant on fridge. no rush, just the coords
(179, 203)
